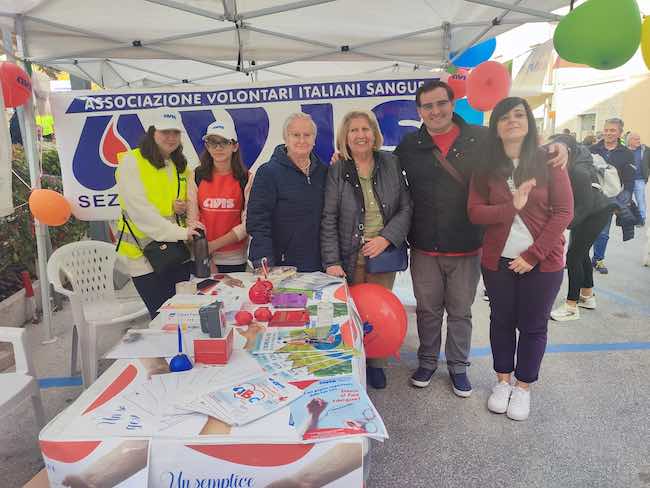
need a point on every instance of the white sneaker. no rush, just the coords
(587, 302)
(498, 401)
(564, 313)
(519, 406)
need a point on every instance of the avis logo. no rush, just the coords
(102, 139)
(217, 203)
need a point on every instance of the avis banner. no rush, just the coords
(93, 127)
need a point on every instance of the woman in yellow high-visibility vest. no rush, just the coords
(152, 188)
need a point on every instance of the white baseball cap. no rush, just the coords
(166, 119)
(218, 128)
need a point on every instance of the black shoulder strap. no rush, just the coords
(126, 222)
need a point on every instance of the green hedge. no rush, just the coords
(17, 238)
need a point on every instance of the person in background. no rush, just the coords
(524, 205)
(641, 171)
(286, 201)
(619, 156)
(367, 208)
(589, 140)
(152, 188)
(592, 209)
(217, 197)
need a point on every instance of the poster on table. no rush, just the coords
(93, 127)
(119, 463)
(333, 464)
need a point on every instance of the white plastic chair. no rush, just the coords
(17, 387)
(88, 267)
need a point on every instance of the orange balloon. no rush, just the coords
(384, 319)
(487, 85)
(49, 207)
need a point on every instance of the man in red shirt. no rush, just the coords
(439, 160)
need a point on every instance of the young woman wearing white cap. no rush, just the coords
(216, 195)
(152, 188)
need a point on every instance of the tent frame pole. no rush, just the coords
(516, 8)
(31, 154)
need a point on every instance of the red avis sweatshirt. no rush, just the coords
(547, 214)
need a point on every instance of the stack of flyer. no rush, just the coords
(303, 354)
(336, 407)
(245, 401)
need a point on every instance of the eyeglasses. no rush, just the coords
(217, 145)
(441, 104)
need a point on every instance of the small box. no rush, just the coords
(289, 318)
(289, 300)
(213, 351)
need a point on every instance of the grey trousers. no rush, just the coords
(444, 283)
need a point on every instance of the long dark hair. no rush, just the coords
(532, 159)
(149, 150)
(204, 170)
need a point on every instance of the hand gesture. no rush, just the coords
(375, 246)
(519, 265)
(335, 270)
(180, 207)
(560, 155)
(520, 195)
(192, 229)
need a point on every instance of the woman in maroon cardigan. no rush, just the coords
(525, 206)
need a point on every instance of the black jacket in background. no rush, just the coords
(440, 222)
(622, 159)
(587, 199)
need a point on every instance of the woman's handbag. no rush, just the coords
(391, 260)
(162, 256)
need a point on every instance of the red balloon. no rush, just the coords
(458, 83)
(487, 85)
(16, 84)
(385, 317)
(49, 207)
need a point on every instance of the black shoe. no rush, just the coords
(422, 377)
(376, 377)
(460, 384)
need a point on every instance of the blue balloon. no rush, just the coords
(467, 112)
(475, 55)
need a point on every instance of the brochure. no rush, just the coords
(305, 340)
(336, 407)
(246, 401)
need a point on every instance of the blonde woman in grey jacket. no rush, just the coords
(367, 208)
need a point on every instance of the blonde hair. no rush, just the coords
(344, 128)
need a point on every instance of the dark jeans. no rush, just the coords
(231, 268)
(520, 302)
(155, 288)
(578, 263)
(600, 244)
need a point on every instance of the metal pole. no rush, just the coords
(31, 154)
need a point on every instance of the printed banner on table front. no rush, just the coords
(93, 127)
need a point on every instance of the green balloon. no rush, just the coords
(600, 33)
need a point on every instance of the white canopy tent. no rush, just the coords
(167, 42)
(133, 43)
